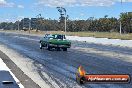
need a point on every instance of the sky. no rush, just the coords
(12, 10)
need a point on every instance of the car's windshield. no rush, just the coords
(59, 36)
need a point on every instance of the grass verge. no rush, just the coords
(112, 35)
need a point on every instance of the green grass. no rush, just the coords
(112, 35)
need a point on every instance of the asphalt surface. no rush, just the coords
(61, 66)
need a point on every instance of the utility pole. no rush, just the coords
(65, 18)
(18, 25)
(120, 27)
(120, 20)
(29, 25)
(23, 24)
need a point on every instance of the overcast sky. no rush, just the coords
(12, 10)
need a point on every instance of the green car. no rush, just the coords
(56, 41)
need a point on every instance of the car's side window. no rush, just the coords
(64, 37)
(55, 36)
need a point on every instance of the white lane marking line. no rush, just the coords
(4, 67)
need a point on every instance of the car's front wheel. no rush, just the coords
(40, 46)
(64, 49)
(58, 48)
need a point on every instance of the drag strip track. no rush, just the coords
(58, 68)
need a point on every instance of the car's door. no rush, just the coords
(45, 39)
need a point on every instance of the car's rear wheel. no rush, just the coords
(64, 49)
(48, 47)
(40, 46)
(58, 48)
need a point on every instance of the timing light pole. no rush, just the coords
(61, 10)
(39, 21)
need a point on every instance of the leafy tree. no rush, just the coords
(105, 24)
(126, 20)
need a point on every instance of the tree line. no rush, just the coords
(105, 24)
